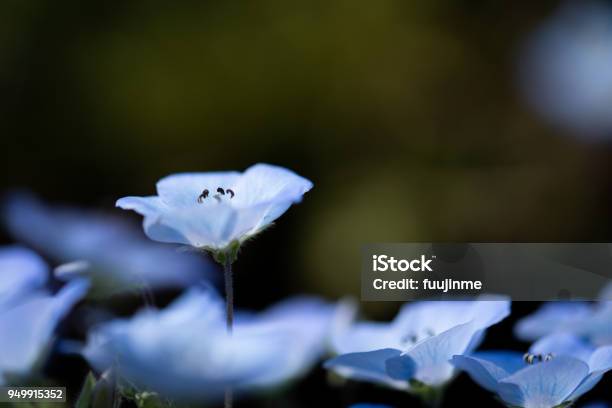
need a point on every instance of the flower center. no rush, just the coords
(219, 194)
(414, 337)
(531, 358)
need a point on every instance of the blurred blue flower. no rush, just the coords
(29, 313)
(118, 257)
(21, 271)
(414, 350)
(566, 68)
(185, 353)
(587, 320)
(550, 318)
(557, 370)
(215, 210)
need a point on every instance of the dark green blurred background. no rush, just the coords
(405, 114)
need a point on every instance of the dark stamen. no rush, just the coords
(409, 338)
(230, 192)
(203, 196)
(220, 191)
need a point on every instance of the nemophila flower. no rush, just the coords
(566, 68)
(552, 317)
(183, 352)
(413, 351)
(217, 211)
(21, 272)
(29, 313)
(555, 372)
(119, 258)
(592, 321)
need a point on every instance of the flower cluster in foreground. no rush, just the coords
(185, 353)
(197, 350)
(29, 312)
(555, 372)
(413, 352)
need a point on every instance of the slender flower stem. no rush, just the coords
(229, 398)
(229, 317)
(229, 295)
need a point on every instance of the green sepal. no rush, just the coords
(86, 394)
(227, 254)
(431, 396)
(98, 393)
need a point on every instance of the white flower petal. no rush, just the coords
(120, 257)
(212, 210)
(184, 351)
(266, 183)
(183, 189)
(21, 271)
(366, 336)
(27, 327)
(367, 366)
(563, 344)
(543, 385)
(432, 355)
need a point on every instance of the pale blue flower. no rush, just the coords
(557, 370)
(566, 68)
(28, 320)
(21, 271)
(592, 321)
(552, 317)
(414, 350)
(184, 351)
(118, 256)
(216, 210)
